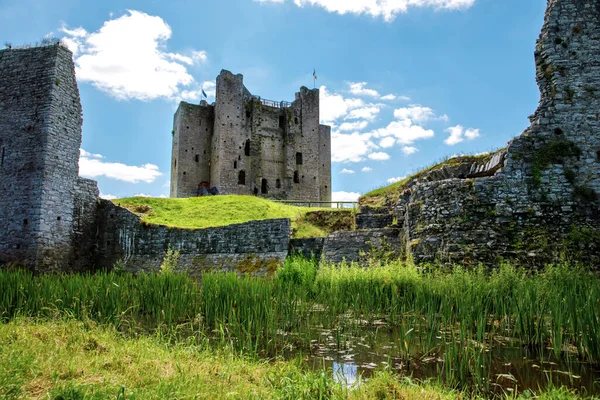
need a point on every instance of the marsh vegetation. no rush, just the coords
(505, 332)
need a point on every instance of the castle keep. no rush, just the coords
(243, 144)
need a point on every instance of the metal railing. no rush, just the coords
(320, 204)
(272, 103)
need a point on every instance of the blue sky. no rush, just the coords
(404, 83)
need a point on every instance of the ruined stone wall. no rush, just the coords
(257, 148)
(192, 137)
(40, 136)
(543, 203)
(253, 247)
(84, 235)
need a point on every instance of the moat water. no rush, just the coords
(509, 367)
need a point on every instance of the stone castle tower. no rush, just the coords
(44, 205)
(243, 144)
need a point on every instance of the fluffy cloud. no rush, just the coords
(334, 106)
(345, 196)
(387, 9)
(359, 89)
(347, 171)
(415, 113)
(387, 142)
(458, 134)
(408, 150)
(379, 156)
(404, 132)
(367, 169)
(368, 113)
(397, 179)
(353, 126)
(351, 147)
(126, 58)
(92, 166)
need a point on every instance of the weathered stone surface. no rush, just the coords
(253, 247)
(311, 247)
(373, 221)
(358, 245)
(245, 145)
(40, 136)
(540, 203)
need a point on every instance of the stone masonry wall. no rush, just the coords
(256, 247)
(542, 205)
(256, 148)
(192, 134)
(40, 136)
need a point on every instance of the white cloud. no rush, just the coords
(397, 179)
(367, 169)
(107, 196)
(351, 147)
(380, 156)
(387, 142)
(359, 89)
(472, 134)
(415, 113)
(368, 113)
(126, 58)
(353, 126)
(345, 196)
(458, 134)
(83, 153)
(93, 167)
(389, 97)
(334, 106)
(347, 171)
(404, 132)
(408, 150)
(387, 9)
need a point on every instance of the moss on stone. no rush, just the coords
(552, 152)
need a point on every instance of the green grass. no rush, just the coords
(213, 211)
(68, 360)
(455, 315)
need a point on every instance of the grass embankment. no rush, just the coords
(213, 211)
(460, 317)
(378, 196)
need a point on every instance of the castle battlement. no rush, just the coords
(245, 144)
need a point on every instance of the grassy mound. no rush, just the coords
(206, 212)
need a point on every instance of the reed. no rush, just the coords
(456, 315)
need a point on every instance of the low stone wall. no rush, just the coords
(256, 247)
(311, 247)
(363, 244)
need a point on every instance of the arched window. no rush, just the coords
(278, 183)
(296, 177)
(247, 148)
(264, 187)
(242, 177)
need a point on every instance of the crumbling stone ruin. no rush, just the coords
(44, 205)
(538, 200)
(243, 144)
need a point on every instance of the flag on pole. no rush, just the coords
(315, 73)
(204, 93)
